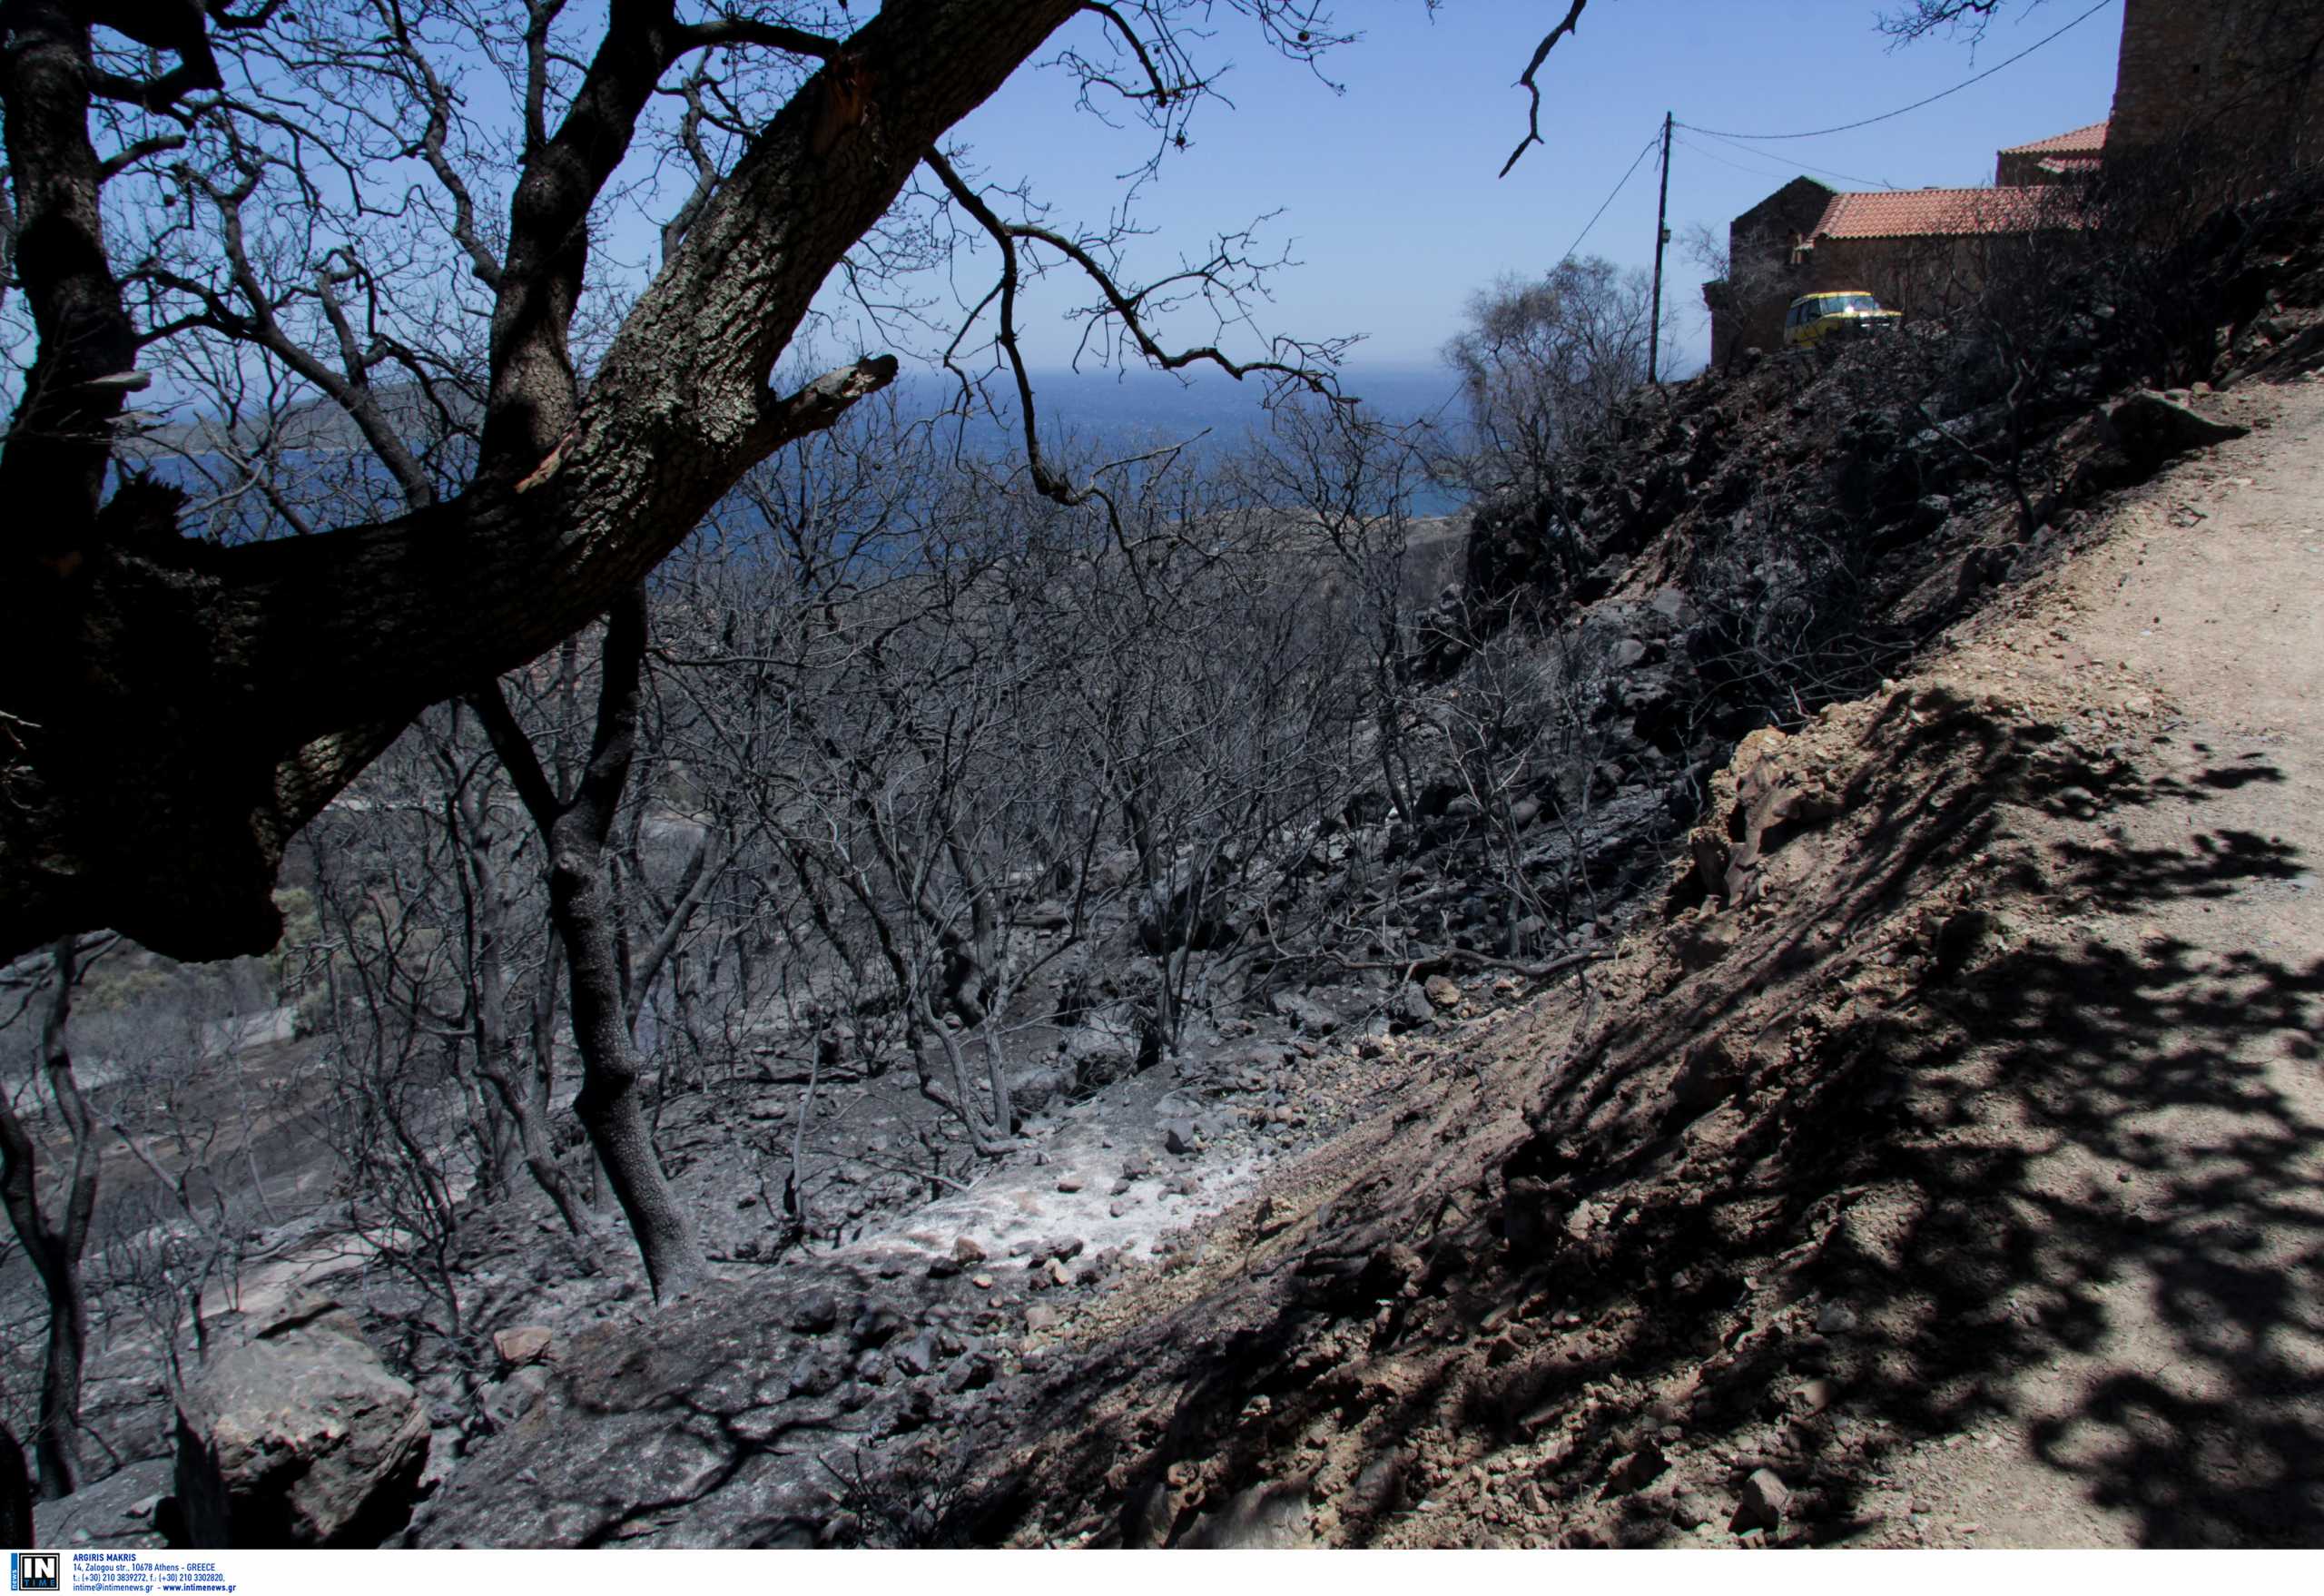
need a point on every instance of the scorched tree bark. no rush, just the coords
(171, 713)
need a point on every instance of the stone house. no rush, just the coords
(2226, 77)
(1910, 247)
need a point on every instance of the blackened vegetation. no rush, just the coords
(1802, 1113)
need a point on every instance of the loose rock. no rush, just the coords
(918, 1355)
(1766, 1498)
(814, 1314)
(526, 1344)
(2152, 431)
(301, 1438)
(1635, 1469)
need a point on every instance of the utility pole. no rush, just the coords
(1661, 239)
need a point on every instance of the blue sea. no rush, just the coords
(1104, 415)
(1116, 414)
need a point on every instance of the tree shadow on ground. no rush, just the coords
(2150, 1231)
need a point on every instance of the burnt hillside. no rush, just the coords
(1727, 1218)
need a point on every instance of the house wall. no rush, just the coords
(1747, 309)
(2019, 169)
(2015, 170)
(2242, 72)
(1915, 275)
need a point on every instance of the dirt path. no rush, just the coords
(2184, 1404)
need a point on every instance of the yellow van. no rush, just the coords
(1844, 311)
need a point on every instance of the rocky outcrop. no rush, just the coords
(129, 1510)
(2153, 431)
(300, 1438)
(1267, 1517)
(1107, 1046)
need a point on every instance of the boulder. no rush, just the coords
(1178, 1136)
(2152, 431)
(813, 1314)
(1267, 1517)
(1410, 1007)
(1709, 1075)
(1100, 1053)
(1765, 1500)
(1305, 1012)
(1034, 1086)
(121, 1513)
(300, 1438)
(524, 1343)
(508, 1400)
(1442, 991)
(1635, 1469)
(876, 1324)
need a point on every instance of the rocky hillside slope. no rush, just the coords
(1907, 1147)
(1929, 1164)
(1942, 1171)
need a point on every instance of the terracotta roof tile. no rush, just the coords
(1944, 212)
(2082, 141)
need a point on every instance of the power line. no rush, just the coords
(1617, 194)
(1878, 182)
(1916, 105)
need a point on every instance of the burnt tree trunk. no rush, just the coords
(55, 1250)
(171, 713)
(610, 1103)
(495, 1045)
(15, 1492)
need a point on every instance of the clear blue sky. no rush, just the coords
(1388, 191)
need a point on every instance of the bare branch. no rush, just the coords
(1160, 91)
(743, 30)
(1529, 82)
(1126, 307)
